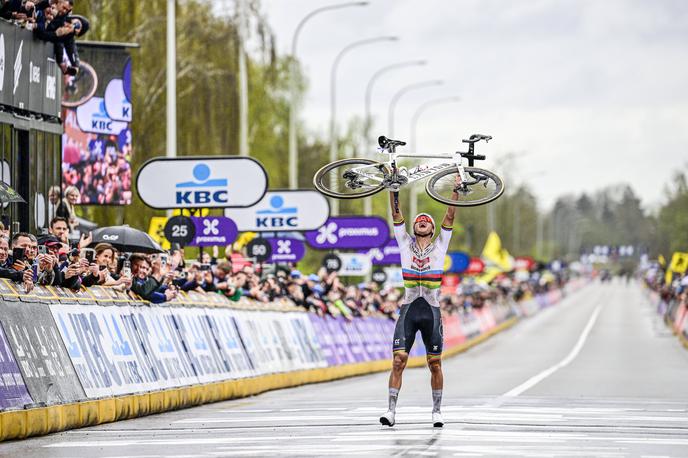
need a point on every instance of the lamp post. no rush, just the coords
(171, 81)
(293, 147)
(397, 96)
(413, 209)
(333, 101)
(368, 201)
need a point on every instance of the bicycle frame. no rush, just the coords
(395, 180)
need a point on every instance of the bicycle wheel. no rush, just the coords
(482, 187)
(80, 88)
(350, 178)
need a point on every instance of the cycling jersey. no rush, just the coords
(422, 270)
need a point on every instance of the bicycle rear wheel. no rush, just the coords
(350, 178)
(481, 187)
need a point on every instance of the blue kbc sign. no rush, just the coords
(203, 190)
(278, 216)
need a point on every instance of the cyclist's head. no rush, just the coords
(423, 225)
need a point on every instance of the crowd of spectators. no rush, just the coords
(51, 259)
(672, 293)
(53, 21)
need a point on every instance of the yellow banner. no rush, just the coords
(157, 231)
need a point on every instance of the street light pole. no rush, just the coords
(413, 210)
(397, 96)
(293, 147)
(369, 90)
(243, 81)
(333, 103)
(171, 80)
(368, 119)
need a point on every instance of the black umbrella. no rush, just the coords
(8, 195)
(127, 239)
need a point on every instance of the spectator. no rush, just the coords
(20, 270)
(99, 273)
(18, 10)
(66, 207)
(55, 23)
(146, 285)
(59, 227)
(4, 252)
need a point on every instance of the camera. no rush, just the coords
(74, 253)
(205, 267)
(42, 249)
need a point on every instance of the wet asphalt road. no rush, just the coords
(597, 375)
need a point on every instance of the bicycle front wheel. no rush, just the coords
(480, 188)
(350, 178)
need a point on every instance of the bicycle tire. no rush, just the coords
(322, 175)
(430, 187)
(87, 77)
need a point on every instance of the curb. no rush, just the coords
(20, 424)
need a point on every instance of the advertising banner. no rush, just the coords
(349, 232)
(101, 350)
(203, 352)
(13, 392)
(158, 327)
(97, 141)
(283, 210)
(395, 278)
(213, 231)
(326, 340)
(355, 264)
(286, 250)
(42, 358)
(234, 353)
(458, 262)
(201, 182)
(387, 254)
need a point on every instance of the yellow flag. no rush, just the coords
(157, 231)
(679, 262)
(679, 265)
(661, 260)
(494, 252)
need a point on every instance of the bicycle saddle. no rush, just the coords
(477, 137)
(385, 142)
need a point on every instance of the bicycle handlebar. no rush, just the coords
(477, 137)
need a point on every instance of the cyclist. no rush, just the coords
(422, 262)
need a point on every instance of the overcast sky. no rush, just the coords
(586, 92)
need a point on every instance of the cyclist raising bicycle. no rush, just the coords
(422, 262)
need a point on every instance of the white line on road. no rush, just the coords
(531, 382)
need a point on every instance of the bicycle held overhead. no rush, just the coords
(361, 177)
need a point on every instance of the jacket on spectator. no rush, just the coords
(149, 289)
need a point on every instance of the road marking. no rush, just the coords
(531, 382)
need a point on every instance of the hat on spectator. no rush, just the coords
(313, 277)
(49, 240)
(295, 274)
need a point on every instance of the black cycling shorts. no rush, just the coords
(419, 316)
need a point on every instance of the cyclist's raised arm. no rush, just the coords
(397, 217)
(448, 221)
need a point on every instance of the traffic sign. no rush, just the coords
(259, 249)
(379, 276)
(180, 229)
(332, 263)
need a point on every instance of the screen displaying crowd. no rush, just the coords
(50, 259)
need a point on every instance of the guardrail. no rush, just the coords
(674, 313)
(77, 358)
